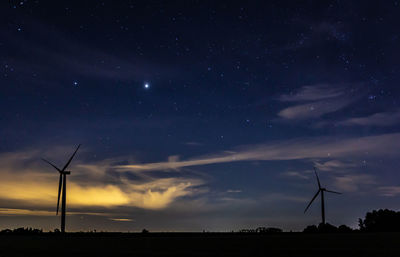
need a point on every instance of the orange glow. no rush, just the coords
(124, 220)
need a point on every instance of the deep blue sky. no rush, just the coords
(243, 99)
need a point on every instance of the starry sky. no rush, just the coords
(198, 115)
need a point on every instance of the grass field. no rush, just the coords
(202, 244)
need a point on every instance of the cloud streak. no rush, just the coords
(313, 109)
(307, 148)
(334, 165)
(381, 119)
(294, 174)
(389, 190)
(315, 101)
(352, 182)
(28, 212)
(312, 93)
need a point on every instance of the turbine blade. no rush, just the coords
(316, 174)
(59, 193)
(333, 192)
(51, 164)
(70, 159)
(315, 196)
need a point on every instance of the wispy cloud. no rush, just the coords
(334, 165)
(313, 93)
(381, 119)
(353, 182)
(316, 101)
(24, 212)
(121, 219)
(389, 190)
(34, 212)
(313, 109)
(279, 197)
(234, 191)
(194, 143)
(294, 174)
(306, 148)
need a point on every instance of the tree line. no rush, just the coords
(382, 220)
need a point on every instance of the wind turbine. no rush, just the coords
(63, 184)
(320, 190)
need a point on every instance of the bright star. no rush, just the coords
(75, 83)
(147, 86)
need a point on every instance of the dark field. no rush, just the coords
(202, 244)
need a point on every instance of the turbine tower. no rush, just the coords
(321, 190)
(62, 184)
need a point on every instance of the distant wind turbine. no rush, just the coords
(320, 190)
(63, 184)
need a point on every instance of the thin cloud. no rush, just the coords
(312, 93)
(121, 219)
(316, 100)
(194, 143)
(234, 191)
(28, 212)
(314, 109)
(389, 190)
(352, 183)
(279, 197)
(306, 148)
(334, 165)
(378, 119)
(294, 174)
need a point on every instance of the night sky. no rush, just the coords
(198, 115)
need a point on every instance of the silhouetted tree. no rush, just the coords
(311, 229)
(381, 221)
(344, 229)
(361, 224)
(264, 230)
(327, 228)
(261, 230)
(22, 231)
(247, 230)
(274, 230)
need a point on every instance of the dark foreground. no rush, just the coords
(201, 244)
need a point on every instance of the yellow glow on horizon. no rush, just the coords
(154, 195)
(106, 196)
(124, 220)
(45, 193)
(158, 200)
(24, 212)
(28, 185)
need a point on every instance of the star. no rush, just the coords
(75, 83)
(146, 85)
